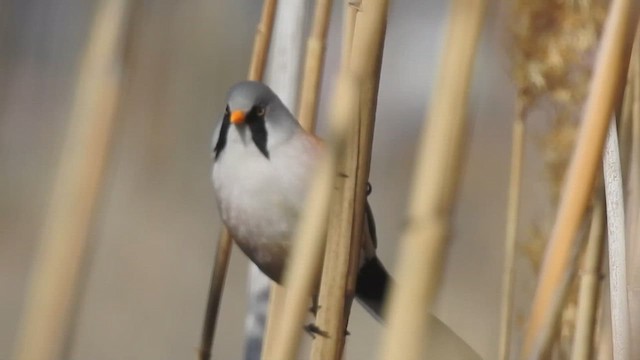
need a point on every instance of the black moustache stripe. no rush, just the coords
(222, 138)
(256, 126)
(258, 132)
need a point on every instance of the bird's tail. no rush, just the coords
(371, 286)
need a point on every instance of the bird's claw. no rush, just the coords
(314, 309)
(314, 330)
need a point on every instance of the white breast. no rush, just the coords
(260, 198)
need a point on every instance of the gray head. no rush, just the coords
(253, 106)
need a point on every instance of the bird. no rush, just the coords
(263, 163)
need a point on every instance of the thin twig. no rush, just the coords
(589, 284)
(55, 278)
(434, 188)
(611, 62)
(223, 250)
(515, 179)
(617, 245)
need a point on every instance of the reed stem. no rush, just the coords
(262, 40)
(508, 279)
(617, 245)
(314, 65)
(46, 321)
(434, 188)
(344, 240)
(589, 284)
(305, 259)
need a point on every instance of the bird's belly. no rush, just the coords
(263, 236)
(261, 220)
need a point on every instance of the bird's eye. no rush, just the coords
(260, 111)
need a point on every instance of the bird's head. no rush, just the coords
(253, 105)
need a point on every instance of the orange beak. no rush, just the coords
(237, 117)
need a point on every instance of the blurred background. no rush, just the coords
(153, 240)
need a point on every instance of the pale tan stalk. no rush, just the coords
(589, 284)
(347, 214)
(262, 40)
(277, 296)
(508, 276)
(349, 24)
(603, 341)
(611, 62)
(434, 188)
(314, 65)
(305, 260)
(218, 276)
(223, 251)
(45, 324)
(633, 203)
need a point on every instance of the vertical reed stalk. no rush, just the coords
(314, 65)
(349, 24)
(304, 263)
(589, 283)
(283, 76)
(604, 343)
(262, 40)
(223, 251)
(344, 239)
(218, 277)
(277, 298)
(434, 187)
(56, 273)
(617, 245)
(633, 201)
(508, 277)
(611, 63)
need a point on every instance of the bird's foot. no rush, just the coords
(314, 309)
(314, 330)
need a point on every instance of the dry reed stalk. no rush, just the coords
(603, 341)
(284, 78)
(625, 118)
(508, 276)
(262, 40)
(305, 260)
(218, 276)
(617, 245)
(45, 323)
(434, 187)
(349, 24)
(277, 297)
(633, 201)
(314, 65)
(589, 285)
(223, 250)
(344, 239)
(611, 62)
